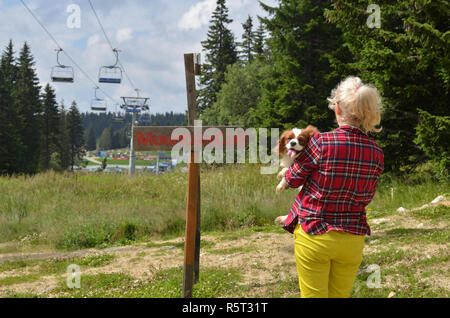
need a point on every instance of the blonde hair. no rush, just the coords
(358, 102)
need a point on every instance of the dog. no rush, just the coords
(291, 143)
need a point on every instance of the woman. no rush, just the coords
(339, 172)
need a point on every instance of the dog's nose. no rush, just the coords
(293, 143)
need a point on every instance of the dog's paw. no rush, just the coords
(281, 219)
(282, 185)
(282, 173)
(280, 188)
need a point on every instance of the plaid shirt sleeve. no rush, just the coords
(307, 161)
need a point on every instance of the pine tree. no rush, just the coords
(259, 41)
(248, 41)
(106, 140)
(75, 133)
(301, 43)
(124, 140)
(91, 141)
(50, 126)
(221, 52)
(433, 138)
(26, 95)
(11, 146)
(115, 141)
(64, 140)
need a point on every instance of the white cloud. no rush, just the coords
(197, 15)
(124, 34)
(93, 40)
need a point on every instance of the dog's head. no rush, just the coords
(293, 141)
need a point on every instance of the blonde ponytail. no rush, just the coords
(358, 102)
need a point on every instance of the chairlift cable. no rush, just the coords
(38, 21)
(60, 48)
(109, 42)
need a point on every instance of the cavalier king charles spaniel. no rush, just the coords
(290, 145)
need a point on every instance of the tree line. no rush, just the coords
(36, 133)
(282, 72)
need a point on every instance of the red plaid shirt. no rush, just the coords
(339, 172)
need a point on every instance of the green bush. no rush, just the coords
(87, 236)
(433, 138)
(126, 232)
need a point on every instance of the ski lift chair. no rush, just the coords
(98, 104)
(111, 74)
(62, 73)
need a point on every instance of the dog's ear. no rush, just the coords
(281, 147)
(310, 131)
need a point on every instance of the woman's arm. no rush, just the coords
(305, 163)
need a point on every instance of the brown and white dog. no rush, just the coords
(290, 145)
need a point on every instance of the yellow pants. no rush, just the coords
(327, 264)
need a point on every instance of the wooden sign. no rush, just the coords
(164, 138)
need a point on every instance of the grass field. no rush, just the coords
(105, 223)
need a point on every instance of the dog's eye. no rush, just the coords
(290, 138)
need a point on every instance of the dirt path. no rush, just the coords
(14, 257)
(93, 160)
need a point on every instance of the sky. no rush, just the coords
(152, 36)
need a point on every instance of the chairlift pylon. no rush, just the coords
(62, 73)
(135, 104)
(98, 104)
(111, 74)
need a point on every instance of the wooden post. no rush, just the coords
(197, 236)
(193, 186)
(197, 71)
